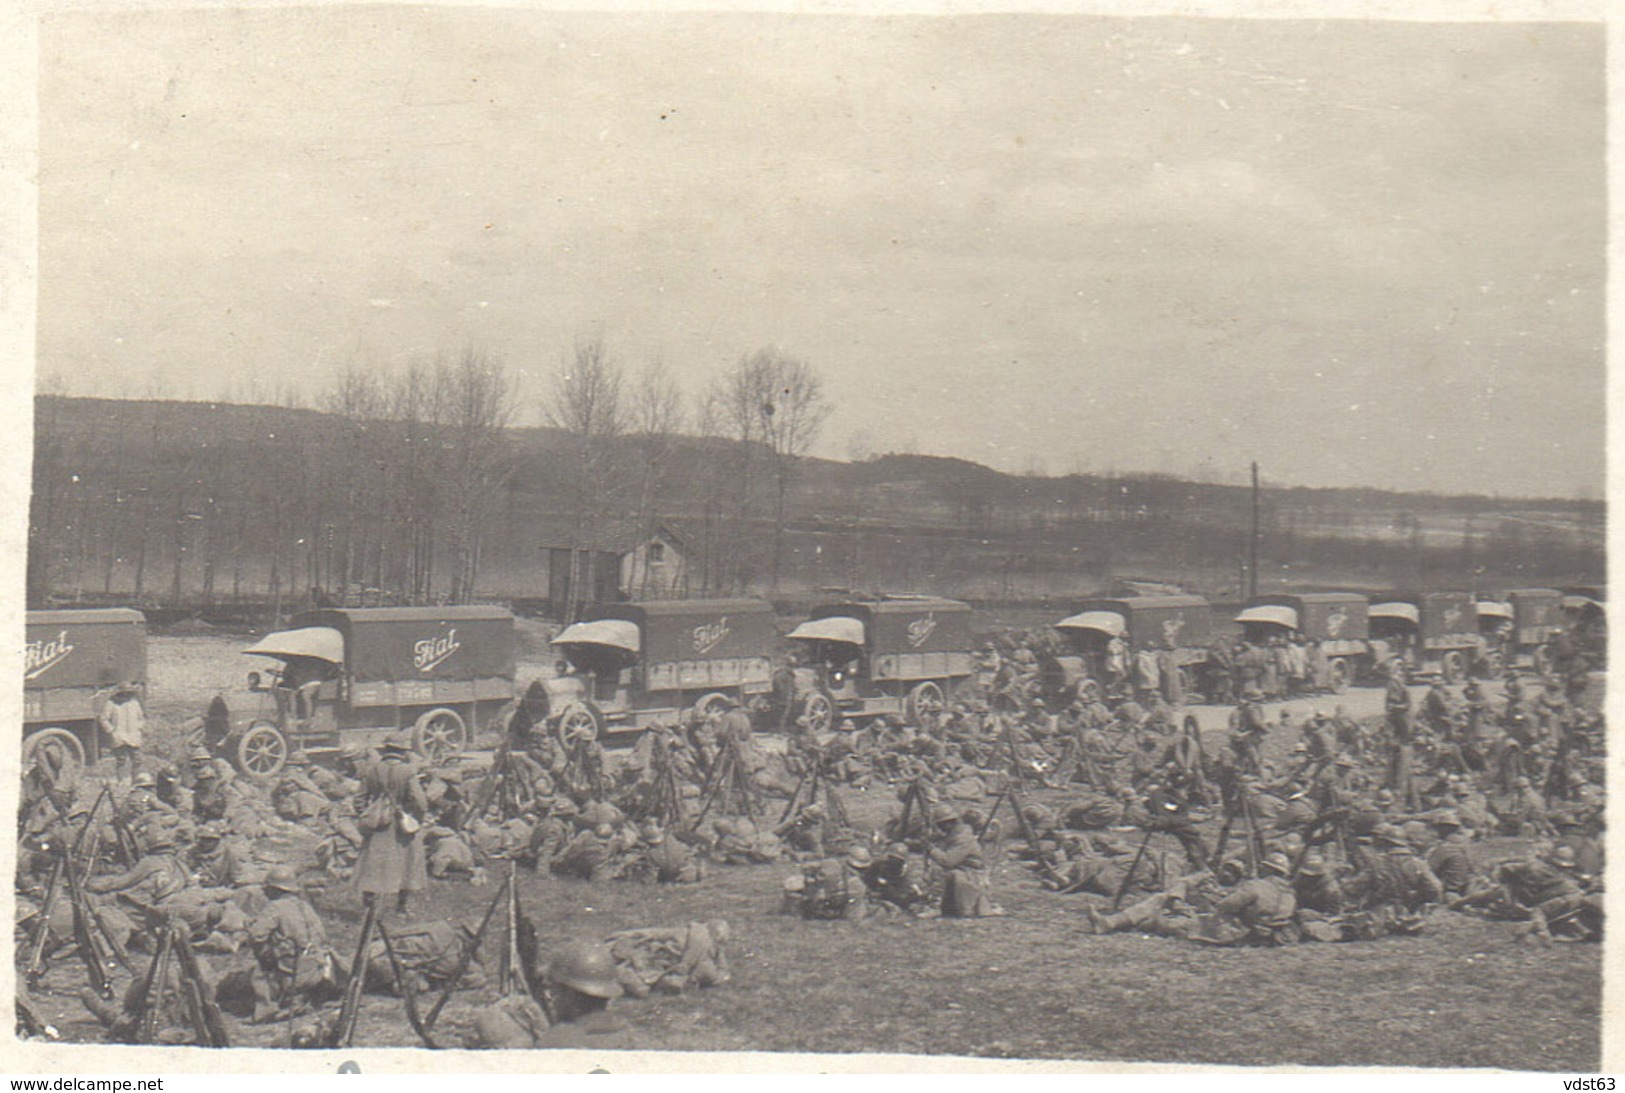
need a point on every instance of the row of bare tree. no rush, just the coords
(394, 487)
(768, 408)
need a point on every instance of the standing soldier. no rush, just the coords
(1401, 740)
(1247, 731)
(124, 723)
(393, 860)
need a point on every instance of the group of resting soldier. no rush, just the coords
(1335, 844)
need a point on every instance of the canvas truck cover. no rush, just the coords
(1535, 612)
(1157, 622)
(401, 644)
(92, 648)
(924, 625)
(693, 630)
(1326, 616)
(1448, 619)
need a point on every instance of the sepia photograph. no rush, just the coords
(1065, 536)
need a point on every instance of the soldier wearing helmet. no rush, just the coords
(1450, 860)
(1317, 889)
(580, 981)
(295, 968)
(1257, 912)
(959, 855)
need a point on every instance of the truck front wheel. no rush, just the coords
(439, 733)
(262, 750)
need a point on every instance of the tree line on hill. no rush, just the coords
(416, 487)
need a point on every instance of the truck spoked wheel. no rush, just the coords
(439, 733)
(58, 749)
(262, 751)
(579, 724)
(713, 703)
(819, 711)
(924, 701)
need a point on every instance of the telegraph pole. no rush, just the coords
(1252, 564)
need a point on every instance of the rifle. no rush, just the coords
(488, 791)
(129, 850)
(408, 991)
(344, 1027)
(1128, 878)
(173, 943)
(993, 812)
(42, 932)
(513, 964)
(468, 955)
(1027, 832)
(152, 991)
(211, 1025)
(84, 940)
(77, 894)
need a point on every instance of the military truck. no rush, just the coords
(1337, 624)
(1518, 627)
(73, 662)
(357, 675)
(1106, 635)
(630, 665)
(1432, 633)
(888, 656)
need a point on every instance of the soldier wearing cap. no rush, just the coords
(1248, 728)
(393, 859)
(294, 965)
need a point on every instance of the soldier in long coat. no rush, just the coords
(393, 860)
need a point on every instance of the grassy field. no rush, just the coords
(1035, 984)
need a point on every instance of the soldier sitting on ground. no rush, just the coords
(295, 967)
(1258, 912)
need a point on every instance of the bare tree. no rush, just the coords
(479, 399)
(773, 401)
(656, 416)
(585, 400)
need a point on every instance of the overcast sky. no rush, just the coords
(1360, 253)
